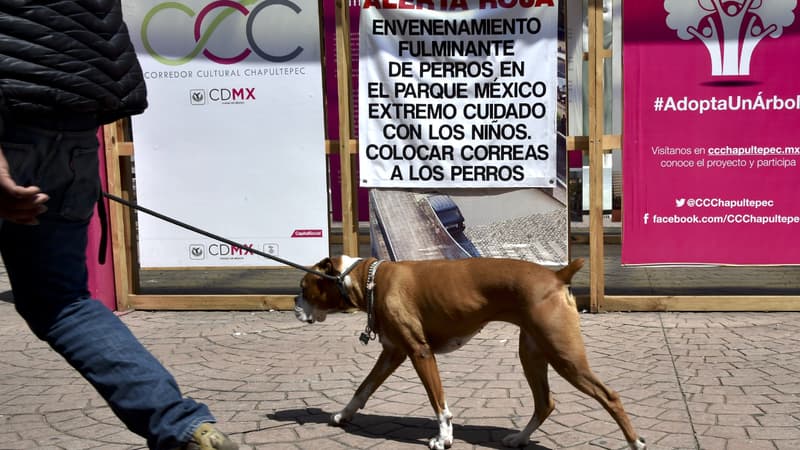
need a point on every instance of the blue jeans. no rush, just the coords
(46, 265)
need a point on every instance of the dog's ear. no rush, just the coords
(326, 266)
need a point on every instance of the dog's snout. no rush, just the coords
(302, 310)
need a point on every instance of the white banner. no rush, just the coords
(464, 96)
(233, 139)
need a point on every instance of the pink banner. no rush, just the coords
(711, 138)
(101, 277)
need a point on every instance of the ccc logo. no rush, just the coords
(201, 38)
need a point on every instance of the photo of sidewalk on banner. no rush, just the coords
(528, 224)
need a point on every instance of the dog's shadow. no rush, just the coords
(402, 429)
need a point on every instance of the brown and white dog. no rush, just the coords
(420, 308)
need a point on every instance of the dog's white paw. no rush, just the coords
(339, 419)
(638, 444)
(439, 443)
(516, 440)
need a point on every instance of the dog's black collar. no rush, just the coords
(369, 332)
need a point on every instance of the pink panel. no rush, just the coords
(101, 277)
(711, 137)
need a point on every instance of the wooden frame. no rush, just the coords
(123, 248)
(119, 151)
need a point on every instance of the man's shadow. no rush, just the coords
(403, 429)
(7, 297)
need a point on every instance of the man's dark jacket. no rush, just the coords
(67, 61)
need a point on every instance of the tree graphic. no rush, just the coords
(730, 30)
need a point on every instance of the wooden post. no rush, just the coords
(596, 129)
(118, 240)
(344, 77)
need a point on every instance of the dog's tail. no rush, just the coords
(566, 274)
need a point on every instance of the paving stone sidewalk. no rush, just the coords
(688, 380)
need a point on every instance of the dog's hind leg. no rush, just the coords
(567, 355)
(387, 362)
(534, 365)
(587, 382)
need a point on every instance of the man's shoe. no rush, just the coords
(206, 437)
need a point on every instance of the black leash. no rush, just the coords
(339, 280)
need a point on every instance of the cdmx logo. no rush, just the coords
(729, 29)
(222, 95)
(201, 36)
(224, 251)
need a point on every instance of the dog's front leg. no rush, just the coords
(388, 361)
(425, 364)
